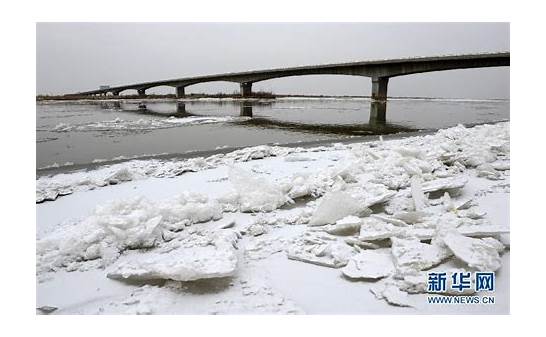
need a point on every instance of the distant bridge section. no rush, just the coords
(379, 71)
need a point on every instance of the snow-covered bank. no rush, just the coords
(242, 232)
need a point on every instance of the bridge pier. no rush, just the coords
(141, 92)
(246, 89)
(379, 88)
(180, 92)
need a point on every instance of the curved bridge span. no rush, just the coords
(379, 71)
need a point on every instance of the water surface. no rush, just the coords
(81, 132)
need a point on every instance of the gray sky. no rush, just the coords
(73, 57)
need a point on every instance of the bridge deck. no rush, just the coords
(372, 68)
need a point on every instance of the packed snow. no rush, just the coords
(254, 230)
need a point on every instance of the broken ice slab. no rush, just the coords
(391, 220)
(226, 224)
(411, 152)
(328, 253)
(482, 230)
(379, 199)
(464, 204)
(472, 213)
(410, 217)
(497, 244)
(444, 184)
(488, 171)
(410, 256)
(501, 165)
(477, 253)
(334, 206)
(216, 260)
(49, 195)
(373, 229)
(392, 294)
(417, 194)
(466, 230)
(255, 194)
(349, 225)
(361, 244)
(255, 229)
(369, 264)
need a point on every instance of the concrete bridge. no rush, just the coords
(379, 71)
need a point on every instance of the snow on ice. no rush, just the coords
(217, 258)
(384, 212)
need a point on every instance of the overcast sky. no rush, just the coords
(74, 57)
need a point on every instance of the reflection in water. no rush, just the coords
(142, 108)
(246, 109)
(378, 112)
(354, 130)
(377, 123)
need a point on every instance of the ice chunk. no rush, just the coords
(466, 230)
(295, 157)
(378, 199)
(322, 251)
(411, 256)
(227, 224)
(413, 283)
(392, 294)
(410, 152)
(419, 199)
(369, 264)
(361, 244)
(255, 229)
(373, 229)
(300, 186)
(444, 184)
(482, 230)
(255, 194)
(120, 225)
(216, 260)
(122, 175)
(472, 213)
(501, 165)
(464, 204)
(335, 206)
(394, 221)
(410, 217)
(477, 253)
(349, 225)
(498, 245)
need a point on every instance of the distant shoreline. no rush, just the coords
(257, 95)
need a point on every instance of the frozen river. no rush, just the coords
(81, 132)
